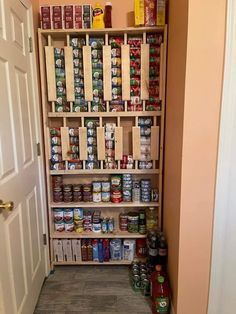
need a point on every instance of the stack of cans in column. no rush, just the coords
(61, 103)
(97, 73)
(80, 104)
(73, 153)
(154, 103)
(135, 103)
(56, 156)
(92, 161)
(110, 162)
(145, 161)
(116, 104)
(127, 183)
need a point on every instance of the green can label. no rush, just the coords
(162, 305)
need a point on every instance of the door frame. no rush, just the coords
(39, 135)
(223, 276)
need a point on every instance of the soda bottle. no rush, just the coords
(152, 247)
(162, 251)
(160, 292)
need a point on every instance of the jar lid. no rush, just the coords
(109, 3)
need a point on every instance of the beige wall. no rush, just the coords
(120, 9)
(176, 66)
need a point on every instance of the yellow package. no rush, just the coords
(139, 12)
(98, 16)
(161, 12)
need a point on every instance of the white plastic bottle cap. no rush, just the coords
(109, 3)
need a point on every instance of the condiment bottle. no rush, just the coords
(98, 16)
(107, 17)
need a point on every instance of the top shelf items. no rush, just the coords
(107, 71)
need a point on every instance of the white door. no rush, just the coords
(22, 252)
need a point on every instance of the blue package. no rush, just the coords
(95, 251)
(100, 251)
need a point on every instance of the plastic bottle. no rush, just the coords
(152, 242)
(162, 251)
(98, 16)
(160, 292)
(107, 16)
(100, 251)
(151, 219)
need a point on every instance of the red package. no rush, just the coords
(69, 16)
(45, 17)
(57, 17)
(78, 16)
(150, 12)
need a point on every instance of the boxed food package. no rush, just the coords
(139, 12)
(68, 16)
(57, 20)
(87, 16)
(67, 250)
(45, 17)
(58, 251)
(150, 12)
(76, 250)
(161, 12)
(129, 249)
(78, 16)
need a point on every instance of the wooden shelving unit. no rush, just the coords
(127, 128)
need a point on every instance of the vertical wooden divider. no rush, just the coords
(70, 91)
(155, 135)
(125, 70)
(144, 71)
(107, 87)
(65, 142)
(50, 70)
(49, 143)
(136, 142)
(83, 142)
(87, 64)
(161, 71)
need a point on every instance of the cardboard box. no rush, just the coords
(78, 16)
(57, 19)
(67, 250)
(45, 17)
(76, 250)
(139, 12)
(161, 12)
(58, 250)
(150, 12)
(68, 16)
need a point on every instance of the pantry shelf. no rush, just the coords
(105, 171)
(128, 30)
(93, 263)
(104, 114)
(104, 204)
(92, 235)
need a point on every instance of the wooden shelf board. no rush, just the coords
(105, 171)
(104, 114)
(121, 262)
(127, 30)
(94, 235)
(104, 204)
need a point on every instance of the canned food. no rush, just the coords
(78, 213)
(97, 197)
(59, 226)
(136, 283)
(133, 220)
(106, 186)
(58, 215)
(68, 215)
(97, 186)
(106, 196)
(69, 226)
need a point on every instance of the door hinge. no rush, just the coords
(38, 149)
(30, 44)
(45, 239)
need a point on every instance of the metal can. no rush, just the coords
(133, 219)
(68, 215)
(106, 186)
(106, 196)
(97, 186)
(69, 226)
(97, 197)
(59, 226)
(58, 215)
(136, 282)
(145, 287)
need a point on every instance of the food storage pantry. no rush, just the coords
(111, 149)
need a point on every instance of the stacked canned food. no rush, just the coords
(78, 219)
(57, 188)
(127, 183)
(56, 151)
(108, 225)
(116, 188)
(110, 162)
(87, 223)
(106, 191)
(77, 46)
(136, 191)
(64, 219)
(145, 161)
(127, 162)
(154, 103)
(77, 192)
(73, 153)
(135, 103)
(116, 103)
(61, 103)
(92, 162)
(97, 73)
(146, 190)
(140, 276)
(133, 222)
(96, 221)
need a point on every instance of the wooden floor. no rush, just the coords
(91, 290)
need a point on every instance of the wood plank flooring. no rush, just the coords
(91, 290)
